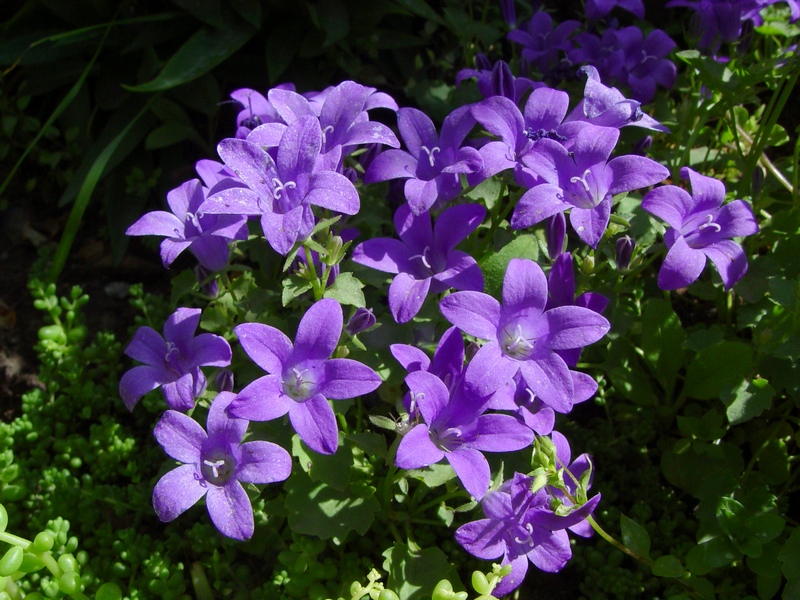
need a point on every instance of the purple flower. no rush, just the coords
(520, 527)
(424, 259)
(542, 42)
(582, 180)
(519, 132)
(361, 320)
(499, 81)
(607, 107)
(523, 335)
(173, 362)
(597, 9)
(205, 235)
(701, 227)
(646, 65)
(555, 234)
(256, 109)
(302, 377)
(215, 464)
(433, 163)
(281, 192)
(455, 429)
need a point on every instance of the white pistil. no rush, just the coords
(324, 133)
(280, 186)
(215, 466)
(424, 257)
(431, 153)
(582, 180)
(414, 398)
(710, 223)
(528, 538)
(519, 342)
(194, 218)
(171, 349)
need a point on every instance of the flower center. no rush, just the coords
(299, 384)
(431, 152)
(524, 536)
(449, 439)
(280, 186)
(172, 359)
(194, 219)
(516, 345)
(535, 135)
(710, 223)
(584, 198)
(218, 467)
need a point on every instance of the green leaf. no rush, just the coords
(413, 575)
(315, 508)
(668, 566)
(333, 470)
(373, 444)
(662, 338)
(705, 379)
(293, 286)
(729, 513)
(494, 267)
(347, 290)
(199, 54)
(487, 192)
(747, 400)
(421, 8)
(434, 475)
(334, 20)
(634, 536)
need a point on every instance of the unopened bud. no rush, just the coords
(757, 181)
(555, 232)
(208, 284)
(223, 382)
(502, 80)
(334, 250)
(587, 264)
(362, 320)
(624, 248)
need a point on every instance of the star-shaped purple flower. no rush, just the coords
(583, 181)
(173, 362)
(433, 163)
(455, 429)
(520, 527)
(542, 42)
(424, 259)
(522, 335)
(701, 227)
(282, 192)
(301, 376)
(215, 464)
(187, 227)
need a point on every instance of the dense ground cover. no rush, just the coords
(461, 300)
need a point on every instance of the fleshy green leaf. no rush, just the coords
(634, 536)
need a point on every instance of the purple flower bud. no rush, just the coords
(624, 247)
(223, 382)
(757, 181)
(502, 80)
(362, 320)
(643, 145)
(509, 12)
(208, 286)
(555, 230)
(351, 174)
(482, 63)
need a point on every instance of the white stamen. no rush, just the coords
(171, 349)
(431, 153)
(519, 341)
(325, 131)
(414, 398)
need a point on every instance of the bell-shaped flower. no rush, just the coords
(173, 362)
(424, 259)
(282, 192)
(455, 429)
(499, 81)
(701, 227)
(433, 163)
(607, 107)
(519, 131)
(523, 335)
(583, 181)
(520, 528)
(215, 464)
(188, 227)
(541, 42)
(342, 115)
(302, 377)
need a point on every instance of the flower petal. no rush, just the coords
(262, 400)
(263, 462)
(472, 469)
(180, 436)
(416, 450)
(524, 287)
(318, 332)
(406, 295)
(177, 491)
(682, 266)
(347, 378)
(315, 423)
(230, 510)
(474, 313)
(267, 346)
